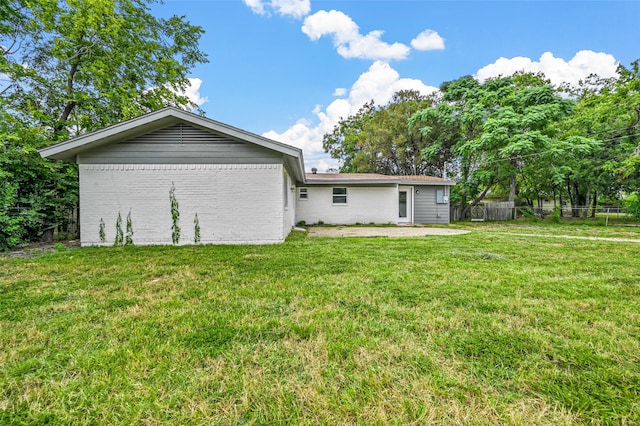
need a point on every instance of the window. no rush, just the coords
(440, 198)
(303, 194)
(285, 189)
(339, 195)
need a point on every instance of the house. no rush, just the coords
(171, 176)
(349, 198)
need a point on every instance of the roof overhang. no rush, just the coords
(69, 149)
(390, 181)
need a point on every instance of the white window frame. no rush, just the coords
(303, 193)
(334, 195)
(285, 189)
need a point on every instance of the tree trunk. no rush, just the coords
(560, 200)
(477, 200)
(587, 203)
(463, 195)
(595, 203)
(574, 195)
(512, 189)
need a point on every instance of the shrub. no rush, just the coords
(632, 205)
(555, 216)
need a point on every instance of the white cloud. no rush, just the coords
(347, 38)
(340, 91)
(558, 70)
(193, 92)
(257, 6)
(428, 40)
(379, 83)
(295, 8)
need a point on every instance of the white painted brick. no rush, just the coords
(235, 203)
(364, 205)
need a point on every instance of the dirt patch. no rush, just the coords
(383, 231)
(38, 249)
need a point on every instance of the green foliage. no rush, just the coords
(379, 139)
(607, 111)
(10, 221)
(119, 239)
(91, 64)
(175, 215)
(101, 233)
(128, 241)
(492, 133)
(632, 205)
(196, 229)
(43, 193)
(556, 216)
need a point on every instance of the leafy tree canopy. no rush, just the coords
(84, 64)
(69, 67)
(377, 139)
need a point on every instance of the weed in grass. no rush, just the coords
(484, 328)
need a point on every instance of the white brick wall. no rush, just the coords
(290, 210)
(364, 205)
(235, 203)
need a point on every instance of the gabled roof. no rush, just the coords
(372, 178)
(69, 149)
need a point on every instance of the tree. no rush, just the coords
(453, 122)
(85, 64)
(344, 143)
(71, 67)
(379, 139)
(606, 111)
(519, 127)
(492, 131)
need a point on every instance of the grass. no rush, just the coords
(483, 328)
(568, 227)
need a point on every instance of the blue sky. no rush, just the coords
(289, 69)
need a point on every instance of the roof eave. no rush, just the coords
(68, 149)
(311, 181)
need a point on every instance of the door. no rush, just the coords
(405, 204)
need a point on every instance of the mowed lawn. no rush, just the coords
(482, 328)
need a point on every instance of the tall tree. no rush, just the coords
(345, 144)
(73, 66)
(607, 111)
(453, 122)
(79, 65)
(494, 130)
(519, 127)
(379, 139)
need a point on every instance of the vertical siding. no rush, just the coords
(364, 205)
(425, 208)
(235, 203)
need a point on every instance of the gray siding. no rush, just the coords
(425, 209)
(180, 144)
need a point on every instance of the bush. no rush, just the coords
(632, 205)
(10, 220)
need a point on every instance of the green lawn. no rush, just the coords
(483, 328)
